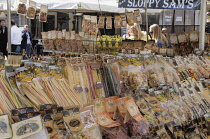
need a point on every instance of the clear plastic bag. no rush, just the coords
(130, 19)
(101, 22)
(108, 22)
(22, 7)
(43, 13)
(31, 12)
(117, 22)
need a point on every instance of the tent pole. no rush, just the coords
(202, 25)
(9, 24)
(146, 19)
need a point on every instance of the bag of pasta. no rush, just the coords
(137, 17)
(22, 7)
(130, 19)
(101, 22)
(123, 20)
(31, 10)
(43, 13)
(108, 22)
(117, 22)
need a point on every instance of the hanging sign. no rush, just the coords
(162, 4)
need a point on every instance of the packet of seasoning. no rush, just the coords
(101, 22)
(108, 22)
(117, 21)
(22, 7)
(31, 12)
(43, 13)
(130, 19)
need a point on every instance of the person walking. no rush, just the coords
(16, 38)
(26, 40)
(3, 36)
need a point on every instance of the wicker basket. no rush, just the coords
(170, 52)
(162, 51)
(187, 34)
(194, 36)
(173, 38)
(182, 38)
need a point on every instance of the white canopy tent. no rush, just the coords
(93, 5)
(89, 5)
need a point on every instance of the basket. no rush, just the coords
(187, 34)
(173, 38)
(182, 38)
(170, 52)
(207, 38)
(162, 51)
(194, 36)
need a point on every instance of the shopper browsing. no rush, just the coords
(165, 33)
(16, 38)
(3, 36)
(157, 35)
(26, 40)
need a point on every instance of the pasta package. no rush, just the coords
(117, 21)
(123, 20)
(86, 23)
(130, 19)
(31, 12)
(105, 120)
(72, 118)
(27, 127)
(43, 13)
(67, 35)
(122, 106)
(93, 25)
(133, 110)
(108, 22)
(48, 122)
(137, 17)
(22, 7)
(101, 22)
(111, 106)
(6, 131)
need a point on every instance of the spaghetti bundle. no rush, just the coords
(49, 91)
(8, 99)
(95, 80)
(78, 80)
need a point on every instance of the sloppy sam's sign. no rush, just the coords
(162, 4)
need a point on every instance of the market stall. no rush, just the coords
(94, 86)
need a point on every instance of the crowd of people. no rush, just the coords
(161, 37)
(20, 39)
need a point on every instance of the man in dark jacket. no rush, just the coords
(26, 40)
(3, 37)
